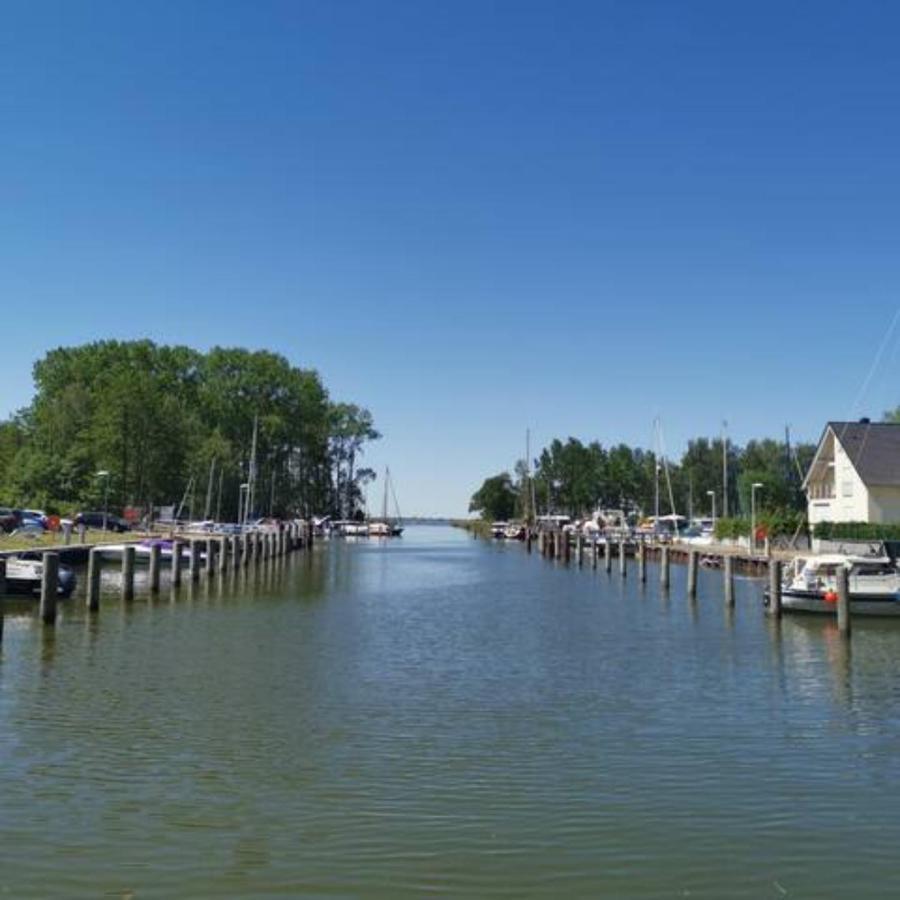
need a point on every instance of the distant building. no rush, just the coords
(855, 474)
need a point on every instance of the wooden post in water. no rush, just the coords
(95, 564)
(775, 588)
(235, 550)
(211, 547)
(595, 552)
(528, 539)
(843, 601)
(2, 591)
(623, 563)
(664, 568)
(128, 572)
(607, 554)
(728, 570)
(49, 586)
(155, 557)
(176, 563)
(693, 562)
(223, 554)
(245, 549)
(642, 560)
(579, 548)
(194, 561)
(566, 546)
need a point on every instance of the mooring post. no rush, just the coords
(194, 561)
(211, 547)
(642, 560)
(245, 549)
(607, 554)
(843, 601)
(223, 554)
(595, 551)
(623, 564)
(728, 570)
(579, 548)
(128, 572)
(664, 567)
(95, 564)
(176, 563)
(775, 588)
(155, 557)
(2, 591)
(49, 586)
(528, 538)
(693, 562)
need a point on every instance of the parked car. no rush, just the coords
(96, 519)
(9, 519)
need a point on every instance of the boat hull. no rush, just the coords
(882, 605)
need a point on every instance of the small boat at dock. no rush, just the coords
(810, 584)
(24, 574)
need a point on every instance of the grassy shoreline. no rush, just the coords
(478, 527)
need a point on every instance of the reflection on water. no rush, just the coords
(437, 715)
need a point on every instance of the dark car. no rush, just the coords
(95, 520)
(9, 519)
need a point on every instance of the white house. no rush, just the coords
(855, 474)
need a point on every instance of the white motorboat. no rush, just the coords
(514, 531)
(498, 529)
(810, 584)
(23, 576)
(379, 529)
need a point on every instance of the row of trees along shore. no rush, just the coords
(574, 478)
(158, 418)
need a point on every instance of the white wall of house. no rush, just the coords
(850, 501)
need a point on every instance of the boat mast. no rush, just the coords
(724, 470)
(207, 508)
(384, 505)
(251, 489)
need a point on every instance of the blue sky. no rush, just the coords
(472, 217)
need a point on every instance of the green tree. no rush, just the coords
(496, 498)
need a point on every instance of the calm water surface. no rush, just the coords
(442, 716)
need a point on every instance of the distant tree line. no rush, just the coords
(160, 418)
(574, 478)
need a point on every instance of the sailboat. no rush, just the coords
(387, 527)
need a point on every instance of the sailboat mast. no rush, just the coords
(384, 505)
(251, 489)
(724, 470)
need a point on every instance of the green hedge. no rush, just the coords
(776, 524)
(859, 531)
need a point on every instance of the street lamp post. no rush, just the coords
(712, 497)
(753, 489)
(104, 474)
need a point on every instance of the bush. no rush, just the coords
(731, 529)
(781, 523)
(857, 531)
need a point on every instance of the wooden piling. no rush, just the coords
(128, 572)
(95, 565)
(642, 561)
(693, 563)
(176, 562)
(155, 557)
(623, 564)
(2, 591)
(49, 586)
(245, 549)
(664, 568)
(194, 561)
(595, 552)
(607, 554)
(211, 548)
(579, 549)
(235, 542)
(528, 539)
(843, 601)
(728, 576)
(775, 588)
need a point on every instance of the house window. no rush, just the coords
(847, 487)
